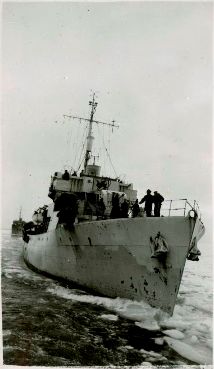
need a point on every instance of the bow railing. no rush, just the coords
(179, 207)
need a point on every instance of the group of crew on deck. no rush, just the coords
(66, 175)
(120, 206)
(120, 209)
(149, 200)
(68, 206)
(38, 225)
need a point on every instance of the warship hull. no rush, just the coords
(17, 228)
(114, 257)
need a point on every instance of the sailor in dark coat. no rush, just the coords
(66, 175)
(101, 208)
(148, 199)
(135, 209)
(157, 199)
(124, 207)
(115, 211)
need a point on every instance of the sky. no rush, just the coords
(150, 64)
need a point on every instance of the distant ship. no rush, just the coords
(84, 237)
(17, 226)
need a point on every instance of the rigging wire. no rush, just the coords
(64, 141)
(68, 146)
(81, 161)
(103, 152)
(101, 148)
(108, 142)
(111, 163)
(81, 157)
(75, 144)
(108, 155)
(98, 144)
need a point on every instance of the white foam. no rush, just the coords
(109, 317)
(192, 318)
(129, 347)
(12, 270)
(68, 294)
(137, 311)
(151, 354)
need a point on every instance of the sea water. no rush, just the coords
(45, 323)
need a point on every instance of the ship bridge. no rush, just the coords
(90, 181)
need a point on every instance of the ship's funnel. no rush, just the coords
(93, 170)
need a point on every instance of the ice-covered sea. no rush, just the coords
(45, 323)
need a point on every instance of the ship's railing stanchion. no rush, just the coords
(185, 207)
(170, 207)
(181, 205)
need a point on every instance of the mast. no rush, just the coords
(90, 138)
(20, 213)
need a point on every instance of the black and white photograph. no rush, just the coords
(106, 184)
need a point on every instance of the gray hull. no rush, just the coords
(113, 257)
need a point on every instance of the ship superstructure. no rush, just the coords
(85, 236)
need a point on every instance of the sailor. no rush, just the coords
(101, 208)
(148, 199)
(135, 209)
(28, 228)
(67, 216)
(66, 175)
(46, 218)
(45, 211)
(157, 200)
(124, 208)
(115, 211)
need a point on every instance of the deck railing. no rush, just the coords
(179, 207)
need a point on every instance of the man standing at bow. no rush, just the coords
(148, 199)
(157, 199)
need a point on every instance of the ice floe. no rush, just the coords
(189, 330)
(146, 364)
(159, 341)
(189, 352)
(149, 325)
(174, 333)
